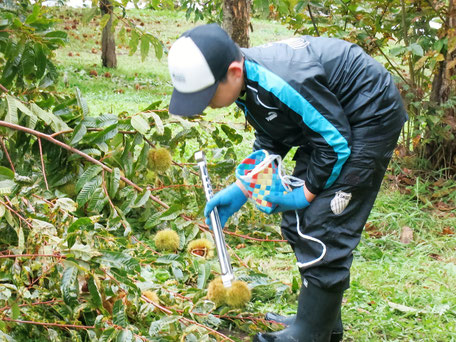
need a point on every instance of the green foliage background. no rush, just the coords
(79, 205)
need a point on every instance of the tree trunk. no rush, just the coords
(108, 44)
(442, 152)
(236, 20)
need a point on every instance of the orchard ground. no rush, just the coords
(400, 290)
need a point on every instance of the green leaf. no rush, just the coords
(105, 120)
(104, 135)
(104, 20)
(133, 44)
(97, 201)
(6, 173)
(141, 162)
(79, 131)
(219, 140)
(157, 326)
(108, 335)
(204, 271)
(28, 60)
(6, 186)
(88, 15)
(125, 336)
(177, 271)
(122, 36)
(57, 34)
(416, 49)
(83, 252)
(145, 43)
(142, 200)
(32, 17)
(15, 311)
(396, 51)
(439, 44)
(11, 115)
(140, 123)
(261, 6)
(119, 260)
(66, 204)
(300, 5)
(295, 285)
(22, 179)
(82, 103)
(118, 314)
(95, 293)
(155, 105)
(171, 213)
(23, 108)
(129, 199)
(87, 176)
(89, 151)
(114, 181)
(158, 122)
(167, 259)
(158, 46)
(56, 123)
(43, 227)
(40, 60)
(70, 285)
(81, 223)
(87, 191)
(123, 277)
(232, 134)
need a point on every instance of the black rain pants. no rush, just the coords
(339, 227)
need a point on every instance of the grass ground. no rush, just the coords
(399, 292)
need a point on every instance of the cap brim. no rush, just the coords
(188, 104)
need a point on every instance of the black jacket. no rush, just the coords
(316, 92)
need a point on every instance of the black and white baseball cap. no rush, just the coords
(197, 62)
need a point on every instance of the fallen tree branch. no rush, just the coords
(74, 326)
(49, 302)
(170, 312)
(38, 134)
(7, 206)
(76, 151)
(32, 256)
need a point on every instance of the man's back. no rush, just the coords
(364, 89)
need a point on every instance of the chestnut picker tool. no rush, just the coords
(227, 274)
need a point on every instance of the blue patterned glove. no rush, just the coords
(228, 201)
(293, 200)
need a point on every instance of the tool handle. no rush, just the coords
(224, 258)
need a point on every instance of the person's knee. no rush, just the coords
(329, 278)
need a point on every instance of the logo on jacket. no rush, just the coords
(296, 43)
(340, 202)
(271, 116)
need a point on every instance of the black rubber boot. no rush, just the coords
(336, 335)
(318, 310)
(285, 320)
(338, 330)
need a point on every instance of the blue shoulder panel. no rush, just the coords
(311, 116)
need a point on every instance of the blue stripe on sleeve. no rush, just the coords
(311, 116)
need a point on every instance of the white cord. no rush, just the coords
(287, 180)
